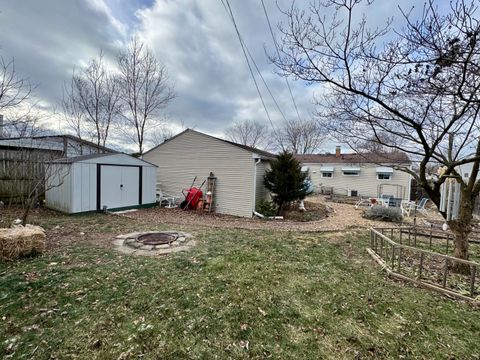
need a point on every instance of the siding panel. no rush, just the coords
(194, 154)
(366, 183)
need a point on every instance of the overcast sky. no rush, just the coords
(193, 38)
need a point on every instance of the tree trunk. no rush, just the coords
(26, 211)
(461, 228)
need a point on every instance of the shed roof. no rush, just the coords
(244, 147)
(372, 158)
(81, 158)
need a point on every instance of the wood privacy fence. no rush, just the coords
(420, 255)
(22, 172)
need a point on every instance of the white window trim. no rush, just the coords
(349, 175)
(389, 177)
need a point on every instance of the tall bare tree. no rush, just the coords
(420, 83)
(300, 136)
(91, 102)
(14, 90)
(145, 91)
(249, 133)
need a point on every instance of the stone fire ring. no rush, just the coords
(153, 243)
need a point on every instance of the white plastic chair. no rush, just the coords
(163, 197)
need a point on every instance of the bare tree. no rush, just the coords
(163, 132)
(420, 83)
(145, 91)
(249, 133)
(301, 136)
(26, 166)
(91, 103)
(14, 90)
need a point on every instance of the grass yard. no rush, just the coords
(237, 294)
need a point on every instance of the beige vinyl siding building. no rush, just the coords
(366, 175)
(239, 169)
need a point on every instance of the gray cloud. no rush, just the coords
(194, 38)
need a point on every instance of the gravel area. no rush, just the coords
(340, 217)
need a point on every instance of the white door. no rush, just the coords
(130, 186)
(110, 187)
(119, 186)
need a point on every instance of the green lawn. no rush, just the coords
(237, 294)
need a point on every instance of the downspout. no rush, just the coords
(255, 187)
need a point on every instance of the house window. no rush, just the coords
(327, 174)
(351, 172)
(384, 176)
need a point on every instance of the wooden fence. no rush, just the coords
(416, 257)
(22, 172)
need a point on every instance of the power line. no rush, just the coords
(229, 11)
(278, 54)
(266, 85)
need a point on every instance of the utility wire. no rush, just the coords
(265, 83)
(278, 54)
(229, 11)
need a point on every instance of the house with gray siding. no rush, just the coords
(239, 169)
(364, 175)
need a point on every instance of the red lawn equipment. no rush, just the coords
(192, 196)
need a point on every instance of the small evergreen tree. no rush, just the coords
(286, 181)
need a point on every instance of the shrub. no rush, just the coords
(286, 181)
(384, 214)
(267, 207)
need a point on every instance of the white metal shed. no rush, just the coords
(98, 181)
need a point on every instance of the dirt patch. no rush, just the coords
(314, 211)
(334, 217)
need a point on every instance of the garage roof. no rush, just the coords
(259, 152)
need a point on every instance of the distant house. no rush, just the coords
(62, 145)
(22, 161)
(239, 169)
(368, 175)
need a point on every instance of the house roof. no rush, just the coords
(244, 147)
(372, 158)
(37, 142)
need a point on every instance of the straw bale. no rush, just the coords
(21, 241)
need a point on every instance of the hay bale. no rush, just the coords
(21, 241)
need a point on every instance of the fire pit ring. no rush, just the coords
(151, 243)
(159, 238)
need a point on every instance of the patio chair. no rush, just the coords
(408, 206)
(421, 206)
(165, 198)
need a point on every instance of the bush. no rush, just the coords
(286, 181)
(384, 214)
(267, 207)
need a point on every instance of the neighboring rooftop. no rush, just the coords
(51, 143)
(356, 158)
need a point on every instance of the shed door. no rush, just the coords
(119, 186)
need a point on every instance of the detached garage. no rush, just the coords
(239, 170)
(100, 181)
